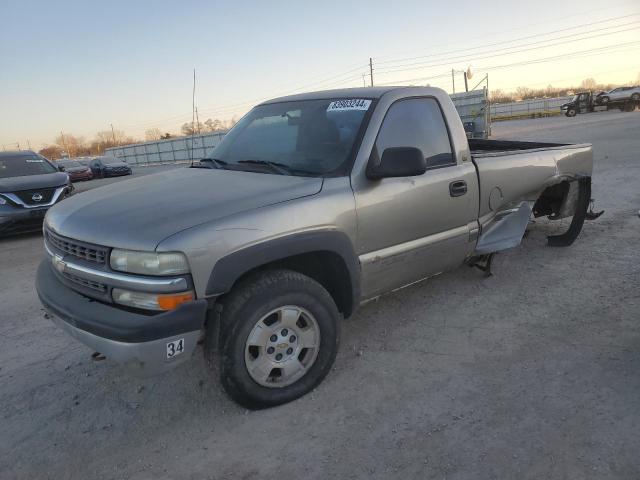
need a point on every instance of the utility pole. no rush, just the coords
(466, 86)
(64, 144)
(453, 79)
(197, 121)
(113, 134)
(371, 70)
(29, 144)
(364, 82)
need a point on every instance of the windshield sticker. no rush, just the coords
(34, 161)
(349, 104)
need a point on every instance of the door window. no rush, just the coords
(417, 122)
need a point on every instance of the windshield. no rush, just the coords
(69, 163)
(21, 165)
(308, 137)
(109, 160)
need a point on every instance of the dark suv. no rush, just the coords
(108, 167)
(29, 185)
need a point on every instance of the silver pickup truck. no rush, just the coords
(311, 205)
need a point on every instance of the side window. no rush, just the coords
(417, 122)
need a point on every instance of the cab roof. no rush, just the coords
(362, 92)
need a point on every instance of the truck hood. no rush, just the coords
(139, 213)
(31, 182)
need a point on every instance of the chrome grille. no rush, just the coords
(99, 287)
(36, 197)
(84, 251)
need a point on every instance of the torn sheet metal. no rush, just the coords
(506, 231)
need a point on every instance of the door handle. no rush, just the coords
(457, 188)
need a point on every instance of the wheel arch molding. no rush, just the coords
(326, 256)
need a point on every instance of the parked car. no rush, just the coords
(76, 170)
(588, 102)
(29, 186)
(620, 93)
(108, 167)
(310, 205)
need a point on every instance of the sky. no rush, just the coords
(79, 66)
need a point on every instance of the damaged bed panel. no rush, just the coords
(518, 178)
(522, 175)
(506, 231)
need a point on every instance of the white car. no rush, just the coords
(620, 93)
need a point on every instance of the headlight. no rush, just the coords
(148, 263)
(150, 301)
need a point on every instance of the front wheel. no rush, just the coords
(571, 112)
(278, 338)
(604, 100)
(635, 97)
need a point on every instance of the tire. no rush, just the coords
(253, 321)
(604, 100)
(635, 97)
(571, 112)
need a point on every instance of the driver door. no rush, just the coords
(412, 227)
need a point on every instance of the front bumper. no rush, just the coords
(15, 219)
(117, 173)
(137, 341)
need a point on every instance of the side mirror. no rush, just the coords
(60, 168)
(398, 162)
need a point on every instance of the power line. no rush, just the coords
(579, 54)
(481, 56)
(466, 49)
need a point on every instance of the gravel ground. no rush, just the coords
(532, 373)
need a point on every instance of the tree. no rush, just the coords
(589, 84)
(166, 136)
(108, 139)
(191, 128)
(152, 134)
(214, 125)
(523, 93)
(71, 145)
(498, 96)
(52, 152)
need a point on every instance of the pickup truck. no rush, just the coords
(311, 205)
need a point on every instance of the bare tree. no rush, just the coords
(152, 134)
(52, 152)
(108, 139)
(191, 128)
(589, 84)
(71, 145)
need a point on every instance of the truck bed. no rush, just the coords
(514, 171)
(479, 146)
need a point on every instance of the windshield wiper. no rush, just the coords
(280, 168)
(210, 163)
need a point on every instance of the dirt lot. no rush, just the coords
(532, 373)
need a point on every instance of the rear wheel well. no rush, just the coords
(325, 267)
(551, 200)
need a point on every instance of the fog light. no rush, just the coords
(151, 301)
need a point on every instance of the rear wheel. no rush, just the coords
(635, 97)
(278, 338)
(571, 112)
(604, 100)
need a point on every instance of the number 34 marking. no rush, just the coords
(175, 348)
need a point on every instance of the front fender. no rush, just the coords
(230, 268)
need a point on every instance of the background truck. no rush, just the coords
(311, 205)
(588, 102)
